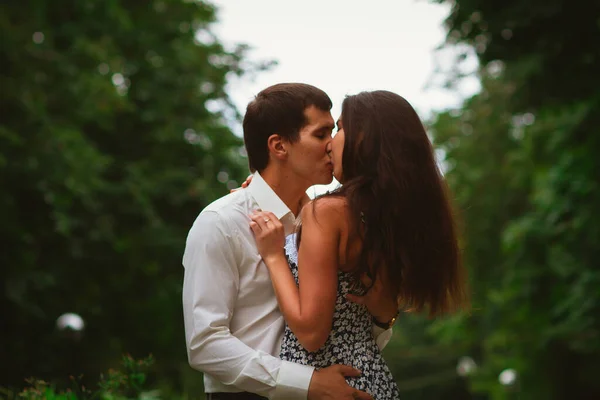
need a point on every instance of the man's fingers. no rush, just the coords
(366, 281)
(355, 299)
(346, 370)
(383, 277)
(362, 395)
(380, 282)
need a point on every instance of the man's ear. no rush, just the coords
(277, 147)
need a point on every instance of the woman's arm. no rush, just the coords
(308, 310)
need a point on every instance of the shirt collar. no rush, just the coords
(266, 198)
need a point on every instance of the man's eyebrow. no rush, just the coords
(338, 123)
(327, 127)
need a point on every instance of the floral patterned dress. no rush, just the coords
(350, 342)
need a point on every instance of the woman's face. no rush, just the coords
(336, 150)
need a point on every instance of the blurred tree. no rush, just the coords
(113, 138)
(424, 366)
(523, 162)
(549, 47)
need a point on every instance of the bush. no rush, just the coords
(127, 382)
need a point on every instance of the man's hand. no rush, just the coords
(381, 300)
(330, 383)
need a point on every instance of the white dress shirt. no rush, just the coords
(233, 325)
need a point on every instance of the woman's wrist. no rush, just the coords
(274, 259)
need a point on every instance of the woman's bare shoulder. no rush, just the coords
(327, 208)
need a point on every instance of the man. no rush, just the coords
(232, 321)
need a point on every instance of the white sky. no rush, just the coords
(343, 47)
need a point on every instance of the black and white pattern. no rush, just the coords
(350, 342)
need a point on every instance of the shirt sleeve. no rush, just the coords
(382, 336)
(210, 286)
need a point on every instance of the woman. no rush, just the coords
(390, 219)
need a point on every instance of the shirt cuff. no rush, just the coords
(382, 336)
(293, 381)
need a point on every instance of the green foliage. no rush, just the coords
(548, 44)
(522, 161)
(113, 138)
(42, 390)
(423, 365)
(124, 383)
(530, 198)
(128, 382)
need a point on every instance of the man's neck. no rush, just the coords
(286, 187)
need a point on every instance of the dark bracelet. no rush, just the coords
(386, 325)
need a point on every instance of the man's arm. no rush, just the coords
(209, 292)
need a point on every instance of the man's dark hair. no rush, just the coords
(278, 109)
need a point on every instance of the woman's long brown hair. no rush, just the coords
(391, 182)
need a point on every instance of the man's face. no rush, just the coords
(307, 158)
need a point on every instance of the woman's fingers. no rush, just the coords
(244, 184)
(267, 222)
(247, 181)
(272, 218)
(257, 218)
(255, 228)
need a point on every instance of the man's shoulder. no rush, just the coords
(228, 207)
(237, 199)
(221, 217)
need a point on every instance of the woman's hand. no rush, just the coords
(244, 184)
(269, 234)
